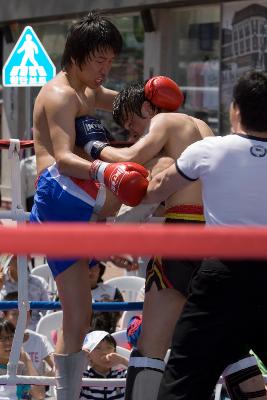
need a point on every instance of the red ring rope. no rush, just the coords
(183, 241)
(4, 144)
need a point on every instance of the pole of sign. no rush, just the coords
(28, 118)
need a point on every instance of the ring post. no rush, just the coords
(19, 215)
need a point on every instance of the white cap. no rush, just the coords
(92, 339)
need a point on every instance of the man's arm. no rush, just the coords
(143, 212)
(189, 167)
(50, 362)
(164, 184)
(146, 148)
(126, 180)
(138, 214)
(61, 110)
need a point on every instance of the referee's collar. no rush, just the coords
(252, 137)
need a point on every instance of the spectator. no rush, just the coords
(25, 367)
(104, 362)
(101, 291)
(37, 286)
(105, 320)
(37, 346)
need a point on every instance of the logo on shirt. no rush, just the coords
(258, 151)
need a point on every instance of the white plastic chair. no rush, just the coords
(49, 324)
(129, 286)
(123, 352)
(121, 338)
(44, 271)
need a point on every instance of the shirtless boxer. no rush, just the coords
(127, 112)
(65, 191)
(138, 109)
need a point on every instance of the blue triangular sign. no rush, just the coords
(28, 64)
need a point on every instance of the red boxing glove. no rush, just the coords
(127, 180)
(164, 93)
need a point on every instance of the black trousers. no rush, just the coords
(224, 317)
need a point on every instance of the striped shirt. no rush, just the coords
(103, 393)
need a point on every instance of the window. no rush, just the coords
(129, 65)
(195, 60)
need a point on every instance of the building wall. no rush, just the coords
(38, 9)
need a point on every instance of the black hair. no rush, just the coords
(12, 296)
(6, 326)
(105, 321)
(102, 269)
(90, 34)
(250, 95)
(129, 101)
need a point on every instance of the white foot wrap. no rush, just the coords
(69, 371)
(143, 377)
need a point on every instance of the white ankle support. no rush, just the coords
(69, 371)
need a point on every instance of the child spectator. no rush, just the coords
(37, 286)
(37, 346)
(106, 321)
(102, 358)
(25, 367)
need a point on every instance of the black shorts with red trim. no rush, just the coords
(175, 273)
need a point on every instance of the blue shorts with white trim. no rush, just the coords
(60, 198)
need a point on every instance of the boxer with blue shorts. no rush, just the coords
(62, 198)
(63, 109)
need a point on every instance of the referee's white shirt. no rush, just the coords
(233, 173)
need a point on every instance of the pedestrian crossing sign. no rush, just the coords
(28, 64)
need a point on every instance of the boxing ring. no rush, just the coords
(183, 241)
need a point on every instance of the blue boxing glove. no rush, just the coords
(90, 135)
(133, 331)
